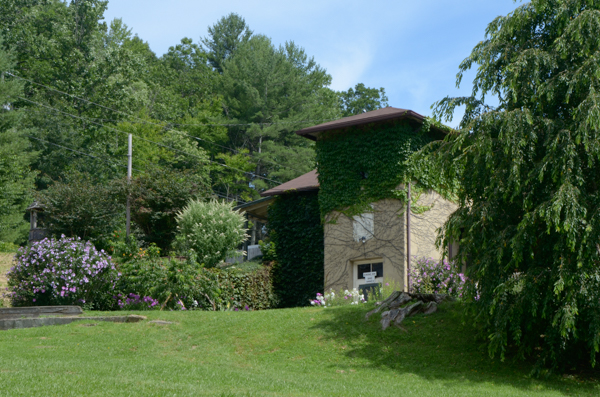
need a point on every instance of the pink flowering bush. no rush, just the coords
(428, 276)
(65, 271)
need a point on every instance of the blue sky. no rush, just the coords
(411, 48)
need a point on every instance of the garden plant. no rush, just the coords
(211, 229)
(64, 271)
(431, 276)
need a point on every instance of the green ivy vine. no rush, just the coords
(297, 233)
(366, 164)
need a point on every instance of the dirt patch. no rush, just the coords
(6, 262)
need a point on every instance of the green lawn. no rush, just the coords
(295, 352)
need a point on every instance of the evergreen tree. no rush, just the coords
(272, 92)
(16, 177)
(529, 207)
(224, 38)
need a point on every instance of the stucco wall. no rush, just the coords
(388, 242)
(424, 225)
(386, 245)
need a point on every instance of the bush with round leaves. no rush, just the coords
(211, 229)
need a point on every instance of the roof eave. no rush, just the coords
(311, 132)
(289, 191)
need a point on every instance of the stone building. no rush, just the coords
(363, 250)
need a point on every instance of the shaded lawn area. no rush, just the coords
(291, 352)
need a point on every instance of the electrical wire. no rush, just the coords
(146, 140)
(179, 124)
(184, 124)
(80, 152)
(120, 165)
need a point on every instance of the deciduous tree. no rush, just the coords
(362, 99)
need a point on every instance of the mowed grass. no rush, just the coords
(6, 262)
(292, 352)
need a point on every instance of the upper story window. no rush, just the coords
(364, 226)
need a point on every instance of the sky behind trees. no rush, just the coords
(411, 48)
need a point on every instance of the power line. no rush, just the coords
(179, 124)
(184, 124)
(80, 152)
(229, 198)
(120, 165)
(144, 139)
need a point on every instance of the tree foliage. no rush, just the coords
(529, 206)
(271, 92)
(362, 99)
(77, 206)
(157, 196)
(16, 156)
(224, 38)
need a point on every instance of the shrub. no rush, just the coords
(428, 275)
(211, 229)
(176, 284)
(268, 251)
(65, 271)
(8, 247)
(246, 290)
(79, 207)
(156, 199)
(123, 250)
(182, 285)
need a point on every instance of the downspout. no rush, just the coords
(408, 239)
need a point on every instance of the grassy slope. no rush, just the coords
(295, 352)
(5, 264)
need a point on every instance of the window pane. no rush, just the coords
(368, 290)
(362, 269)
(378, 267)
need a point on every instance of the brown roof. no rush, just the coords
(383, 114)
(303, 183)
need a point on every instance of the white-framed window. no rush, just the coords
(363, 227)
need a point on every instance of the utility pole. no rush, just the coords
(408, 238)
(129, 157)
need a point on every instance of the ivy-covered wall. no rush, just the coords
(365, 164)
(296, 230)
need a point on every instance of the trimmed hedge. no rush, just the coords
(178, 284)
(243, 290)
(297, 232)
